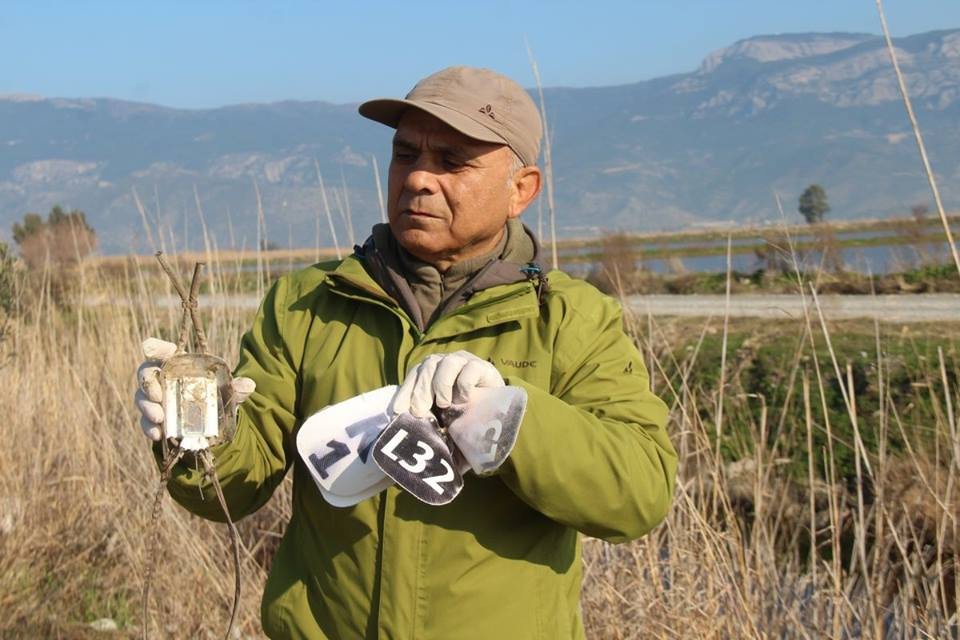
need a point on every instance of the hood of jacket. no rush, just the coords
(426, 293)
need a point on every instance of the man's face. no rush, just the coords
(449, 196)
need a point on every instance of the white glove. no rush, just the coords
(444, 379)
(149, 396)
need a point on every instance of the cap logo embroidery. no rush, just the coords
(488, 110)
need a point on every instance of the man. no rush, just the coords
(446, 298)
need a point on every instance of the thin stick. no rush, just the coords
(947, 394)
(156, 212)
(316, 237)
(206, 238)
(260, 242)
(230, 232)
(153, 542)
(143, 218)
(376, 179)
(879, 485)
(860, 531)
(337, 200)
(952, 472)
(210, 470)
(918, 136)
(759, 505)
(547, 160)
(828, 455)
(192, 308)
(651, 370)
(290, 246)
(262, 217)
(844, 391)
(163, 224)
(189, 302)
(347, 214)
(83, 276)
(326, 207)
(811, 482)
(171, 236)
(540, 218)
(723, 370)
(184, 299)
(723, 351)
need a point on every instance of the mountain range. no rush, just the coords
(768, 114)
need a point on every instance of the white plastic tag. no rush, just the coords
(412, 452)
(191, 404)
(335, 444)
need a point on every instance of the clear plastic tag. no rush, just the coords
(197, 408)
(485, 430)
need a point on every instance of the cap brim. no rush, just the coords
(388, 111)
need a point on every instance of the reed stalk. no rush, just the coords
(547, 160)
(918, 136)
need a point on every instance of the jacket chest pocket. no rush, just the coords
(341, 360)
(533, 370)
(516, 350)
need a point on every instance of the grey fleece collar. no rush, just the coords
(514, 262)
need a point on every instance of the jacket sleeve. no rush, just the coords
(593, 453)
(254, 462)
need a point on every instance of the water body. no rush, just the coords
(877, 260)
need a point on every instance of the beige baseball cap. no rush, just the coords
(479, 103)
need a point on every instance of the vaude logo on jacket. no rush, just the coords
(516, 364)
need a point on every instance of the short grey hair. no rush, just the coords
(516, 164)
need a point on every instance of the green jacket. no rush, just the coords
(503, 559)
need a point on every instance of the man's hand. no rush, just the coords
(149, 396)
(444, 379)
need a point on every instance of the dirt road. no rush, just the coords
(932, 307)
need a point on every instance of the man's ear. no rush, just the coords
(526, 184)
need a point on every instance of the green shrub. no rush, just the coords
(8, 281)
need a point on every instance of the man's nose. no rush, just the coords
(422, 177)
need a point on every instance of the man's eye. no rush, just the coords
(403, 155)
(453, 162)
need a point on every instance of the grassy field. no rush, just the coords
(818, 492)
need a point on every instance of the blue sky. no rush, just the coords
(208, 53)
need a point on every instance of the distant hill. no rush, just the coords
(770, 113)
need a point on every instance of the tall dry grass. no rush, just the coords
(754, 550)
(76, 493)
(749, 549)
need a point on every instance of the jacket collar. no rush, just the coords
(490, 306)
(380, 256)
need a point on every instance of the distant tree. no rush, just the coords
(813, 204)
(919, 212)
(8, 286)
(63, 238)
(619, 264)
(32, 223)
